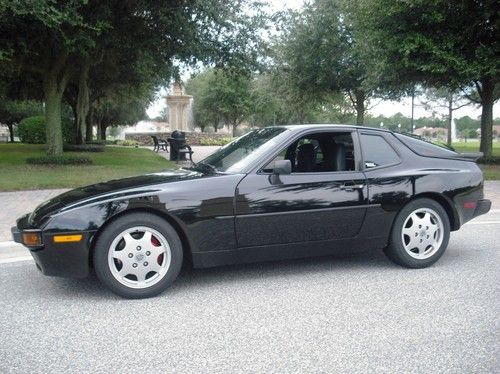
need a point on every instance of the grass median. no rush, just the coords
(115, 162)
(491, 171)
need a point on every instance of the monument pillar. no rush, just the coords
(178, 104)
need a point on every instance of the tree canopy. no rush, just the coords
(68, 42)
(439, 43)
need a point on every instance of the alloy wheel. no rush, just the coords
(139, 257)
(422, 233)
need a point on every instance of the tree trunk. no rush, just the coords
(360, 107)
(234, 125)
(90, 121)
(11, 132)
(99, 131)
(75, 122)
(450, 118)
(413, 110)
(487, 101)
(82, 103)
(54, 84)
(103, 132)
(53, 103)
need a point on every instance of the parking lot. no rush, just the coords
(356, 313)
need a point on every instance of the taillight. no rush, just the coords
(470, 205)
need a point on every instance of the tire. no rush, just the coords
(138, 255)
(419, 235)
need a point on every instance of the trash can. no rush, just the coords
(177, 141)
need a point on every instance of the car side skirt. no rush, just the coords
(287, 251)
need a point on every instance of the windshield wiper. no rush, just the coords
(206, 166)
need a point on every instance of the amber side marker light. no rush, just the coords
(67, 238)
(32, 239)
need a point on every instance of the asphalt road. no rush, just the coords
(356, 313)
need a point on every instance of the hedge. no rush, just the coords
(31, 130)
(59, 160)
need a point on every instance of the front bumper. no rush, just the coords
(69, 260)
(16, 235)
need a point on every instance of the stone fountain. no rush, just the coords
(179, 108)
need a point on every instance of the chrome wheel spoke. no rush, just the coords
(126, 269)
(141, 273)
(157, 251)
(410, 231)
(129, 240)
(154, 266)
(121, 255)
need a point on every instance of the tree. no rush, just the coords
(321, 52)
(12, 112)
(205, 103)
(467, 123)
(221, 95)
(45, 37)
(440, 44)
(112, 112)
(445, 98)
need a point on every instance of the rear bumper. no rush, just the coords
(69, 260)
(482, 207)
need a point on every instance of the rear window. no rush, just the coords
(424, 148)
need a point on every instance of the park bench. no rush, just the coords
(159, 144)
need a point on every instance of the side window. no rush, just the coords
(377, 152)
(319, 152)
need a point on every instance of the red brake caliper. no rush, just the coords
(157, 243)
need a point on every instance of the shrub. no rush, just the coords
(215, 141)
(89, 147)
(127, 143)
(492, 160)
(59, 160)
(32, 130)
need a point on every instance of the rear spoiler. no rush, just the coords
(471, 156)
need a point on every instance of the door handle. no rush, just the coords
(351, 186)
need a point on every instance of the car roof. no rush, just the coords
(333, 126)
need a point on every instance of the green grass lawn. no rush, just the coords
(114, 162)
(474, 147)
(491, 172)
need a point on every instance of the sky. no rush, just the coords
(378, 107)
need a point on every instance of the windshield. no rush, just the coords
(242, 152)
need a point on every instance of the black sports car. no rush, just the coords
(274, 193)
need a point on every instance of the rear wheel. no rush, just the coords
(420, 234)
(138, 255)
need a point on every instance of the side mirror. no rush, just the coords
(282, 167)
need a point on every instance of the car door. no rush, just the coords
(302, 206)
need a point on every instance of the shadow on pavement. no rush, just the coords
(190, 278)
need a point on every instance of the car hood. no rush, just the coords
(119, 188)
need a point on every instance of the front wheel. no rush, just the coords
(420, 234)
(139, 255)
